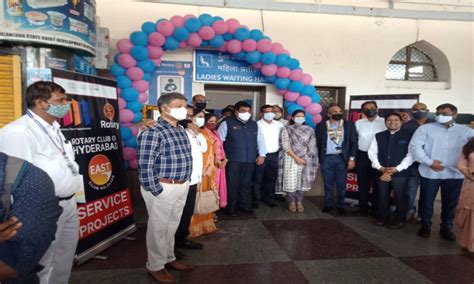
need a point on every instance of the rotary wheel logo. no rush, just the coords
(100, 170)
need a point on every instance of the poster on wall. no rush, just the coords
(171, 76)
(56, 22)
(92, 127)
(386, 104)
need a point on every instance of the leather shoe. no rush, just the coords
(448, 235)
(327, 209)
(180, 266)
(162, 276)
(270, 204)
(246, 210)
(395, 225)
(424, 232)
(188, 244)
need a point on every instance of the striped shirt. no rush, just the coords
(164, 151)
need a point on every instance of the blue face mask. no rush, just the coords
(58, 111)
(269, 116)
(299, 120)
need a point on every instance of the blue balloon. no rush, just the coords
(294, 108)
(131, 142)
(148, 27)
(294, 64)
(116, 56)
(240, 55)
(125, 132)
(217, 41)
(137, 117)
(228, 36)
(309, 120)
(253, 57)
(117, 70)
(139, 38)
(206, 19)
(316, 98)
(205, 43)
(147, 77)
(283, 60)
(268, 58)
(287, 104)
(295, 86)
(271, 79)
(130, 94)
(192, 25)
(123, 82)
(171, 43)
(217, 18)
(135, 106)
(242, 34)
(139, 52)
(308, 90)
(282, 83)
(146, 65)
(266, 37)
(256, 34)
(181, 34)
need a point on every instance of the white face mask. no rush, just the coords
(179, 113)
(269, 116)
(244, 116)
(299, 120)
(278, 116)
(200, 121)
(444, 118)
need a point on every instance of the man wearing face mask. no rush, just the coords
(165, 167)
(366, 175)
(244, 147)
(199, 102)
(36, 137)
(279, 115)
(437, 146)
(419, 112)
(265, 175)
(337, 148)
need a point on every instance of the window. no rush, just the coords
(411, 64)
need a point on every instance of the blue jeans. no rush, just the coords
(399, 187)
(334, 171)
(412, 188)
(450, 190)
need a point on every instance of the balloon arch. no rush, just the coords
(141, 54)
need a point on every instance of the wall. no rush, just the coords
(337, 50)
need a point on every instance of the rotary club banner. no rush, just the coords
(92, 127)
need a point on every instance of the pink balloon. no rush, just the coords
(220, 27)
(119, 91)
(232, 25)
(124, 45)
(317, 118)
(156, 39)
(277, 48)
(188, 16)
(129, 153)
(133, 164)
(141, 85)
(206, 33)
(283, 72)
(165, 28)
(126, 60)
(183, 44)
(194, 40)
(177, 21)
(223, 47)
(269, 70)
(284, 51)
(296, 74)
(157, 61)
(249, 45)
(292, 96)
(307, 79)
(134, 129)
(154, 52)
(143, 97)
(125, 115)
(282, 92)
(122, 103)
(135, 73)
(304, 101)
(257, 65)
(264, 45)
(313, 108)
(234, 46)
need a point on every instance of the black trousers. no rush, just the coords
(366, 178)
(399, 187)
(183, 229)
(239, 181)
(264, 180)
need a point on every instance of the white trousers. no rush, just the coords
(164, 214)
(58, 259)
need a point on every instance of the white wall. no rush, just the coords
(347, 51)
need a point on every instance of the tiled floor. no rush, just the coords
(276, 246)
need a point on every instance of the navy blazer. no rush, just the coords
(349, 145)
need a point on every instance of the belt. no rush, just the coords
(65, 198)
(335, 154)
(172, 181)
(273, 153)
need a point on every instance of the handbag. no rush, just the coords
(207, 201)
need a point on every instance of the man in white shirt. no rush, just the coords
(366, 175)
(390, 157)
(266, 174)
(36, 137)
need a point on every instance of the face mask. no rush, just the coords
(211, 126)
(268, 116)
(245, 116)
(200, 121)
(201, 105)
(444, 118)
(370, 112)
(58, 111)
(179, 113)
(337, 116)
(419, 114)
(278, 116)
(299, 120)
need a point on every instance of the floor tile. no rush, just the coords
(281, 212)
(112, 276)
(320, 239)
(221, 215)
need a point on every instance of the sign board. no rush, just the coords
(171, 76)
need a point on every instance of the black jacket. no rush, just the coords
(349, 145)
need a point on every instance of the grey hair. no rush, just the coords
(166, 99)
